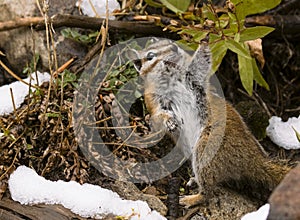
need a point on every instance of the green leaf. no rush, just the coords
(232, 16)
(189, 31)
(230, 32)
(52, 115)
(237, 48)
(246, 73)
(94, 34)
(218, 51)
(237, 37)
(224, 21)
(208, 13)
(257, 76)
(176, 6)
(215, 37)
(197, 35)
(153, 3)
(255, 33)
(188, 46)
(200, 36)
(249, 7)
(29, 147)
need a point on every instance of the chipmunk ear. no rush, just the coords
(133, 55)
(200, 66)
(154, 40)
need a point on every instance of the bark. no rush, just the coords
(288, 25)
(15, 211)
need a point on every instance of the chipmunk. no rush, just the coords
(223, 150)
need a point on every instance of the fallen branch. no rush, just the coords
(287, 24)
(59, 20)
(20, 22)
(285, 7)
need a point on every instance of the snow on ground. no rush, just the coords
(283, 133)
(89, 7)
(20, 91)
(261, 214)
(86, 200)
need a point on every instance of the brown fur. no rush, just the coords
(239, 163)
(224, 152)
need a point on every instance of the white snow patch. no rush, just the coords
(261, 214)
(20, 91)
(282, 133)
(97, 8)
(86, 200)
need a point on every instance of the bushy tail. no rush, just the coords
(260, 185)
(271, 175)
(276, 171)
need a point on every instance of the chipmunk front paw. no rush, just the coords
(191, 200)
(165, 120)
(171, 124)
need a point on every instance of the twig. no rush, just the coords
(13, 102)
(275, 83)
(190, 213)
(293, 109)
(77, 68)
(63, 67)
(5, 130)
(124, 142)
(117, 144)
(15, 157)
(15, 76)
(109, 128)
(44, 12)
(261, 102)
(99, 121)
(11, 165)
(20, 22)
(20, 114)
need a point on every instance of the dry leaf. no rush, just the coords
(256, 51)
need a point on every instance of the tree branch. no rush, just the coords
(288, 24)
(20, 22)
(60, 20)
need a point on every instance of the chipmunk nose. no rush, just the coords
(137, 64)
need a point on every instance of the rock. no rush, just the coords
(285, 199)
(19, 45)
(129, 191)
(10, 209)
(226, 204)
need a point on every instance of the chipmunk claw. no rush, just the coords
(171, 124)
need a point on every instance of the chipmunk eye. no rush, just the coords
(151, 55)
(174, 48)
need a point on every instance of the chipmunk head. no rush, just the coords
(153, 59)
(162, 54)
